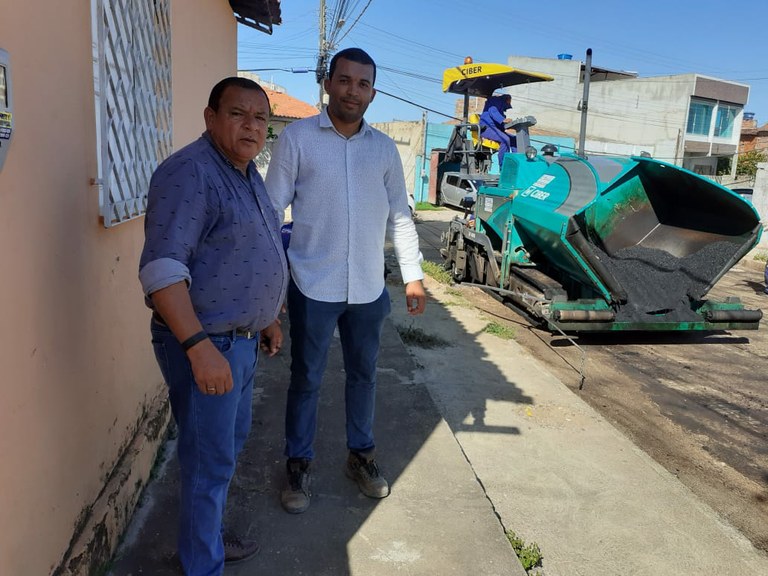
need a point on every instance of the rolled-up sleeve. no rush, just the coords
(161, 273)
(179, 213)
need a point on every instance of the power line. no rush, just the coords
(409, 74)
(561, 106)
(343, 8)
(356, 21)
(379, 91)
(409, 41)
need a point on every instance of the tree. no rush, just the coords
(747, 164)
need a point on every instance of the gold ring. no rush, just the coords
(211, 389)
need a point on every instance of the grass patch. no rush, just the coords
(503, 332)
(761, 256)
(460, 299)
(425, 206)
(458, 304)
(436, 271)
(417, 337)
(529, 554)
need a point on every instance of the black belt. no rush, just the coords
(238, 332)
(235, 332)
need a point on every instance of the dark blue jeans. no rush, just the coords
(507, 142)
(212, 431)
(312, 325)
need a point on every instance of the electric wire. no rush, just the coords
(379, 91)
(541, 139)
(660, 107)
(349, 29)
(342, 9)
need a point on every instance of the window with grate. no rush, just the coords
(132, 86)
(699, 117)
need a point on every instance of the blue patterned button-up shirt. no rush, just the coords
(216, 229)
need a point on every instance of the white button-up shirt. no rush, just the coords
(344, 193)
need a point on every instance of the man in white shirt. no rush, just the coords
(344, 182)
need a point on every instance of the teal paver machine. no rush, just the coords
(601, 244)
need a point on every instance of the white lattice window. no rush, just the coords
(132, 83)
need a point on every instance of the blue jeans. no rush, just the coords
(212, 431)
(507, 142)
(312, 325)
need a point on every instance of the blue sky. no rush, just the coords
(413, 41)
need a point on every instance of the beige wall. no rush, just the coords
(80, 381)
(409, 139)
(204, 52)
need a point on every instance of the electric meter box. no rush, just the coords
(6, 106)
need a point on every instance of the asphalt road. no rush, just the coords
(696, 403)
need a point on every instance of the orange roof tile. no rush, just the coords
(285, 106)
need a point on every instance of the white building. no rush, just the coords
(688, 119)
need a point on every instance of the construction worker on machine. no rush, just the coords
(492, 124)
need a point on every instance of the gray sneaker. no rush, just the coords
(295, 497)
(364, 470)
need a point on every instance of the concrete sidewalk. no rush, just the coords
(557, 472)
(437, 520)
(475, 437)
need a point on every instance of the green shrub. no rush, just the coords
(748, 161)
(436, 271)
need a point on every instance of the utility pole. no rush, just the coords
(322, 57)
(424, 160)
(585, 103)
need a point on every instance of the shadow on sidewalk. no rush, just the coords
(436, 521)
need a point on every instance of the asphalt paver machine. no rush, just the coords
(594, 244)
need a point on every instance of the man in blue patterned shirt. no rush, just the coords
(344, 182)
(213, 270)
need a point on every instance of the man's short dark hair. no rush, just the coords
(215, 98)
(353, 55)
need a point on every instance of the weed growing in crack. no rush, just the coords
(529, 554)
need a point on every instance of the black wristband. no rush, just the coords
(194, 339)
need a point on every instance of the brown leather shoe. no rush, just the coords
(295, 497)
(364, 470)
(237, 550)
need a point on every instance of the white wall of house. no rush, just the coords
(760, 195)
(637, 114)
(83, 400)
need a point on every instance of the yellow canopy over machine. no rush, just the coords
(483, 78)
